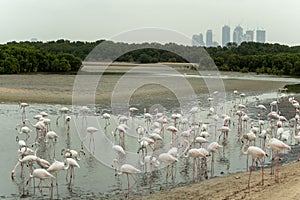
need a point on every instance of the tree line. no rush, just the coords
(16, 59)
(64, 56)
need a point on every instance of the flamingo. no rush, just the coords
(22, 151)
(224, 130)
(42, 174)
(121, 128)
(144, 143)
(150, 160)
(274, 104)
(277, 145)
(128, 170)
(256, 153)
(24, 130)
(201, 140)
(39, 126)
(72, 163)
(148, 118)
(132, 110)
(44, 114)
(63, 111)
(25, 157)
(91, 130)
(213, 147)
(57, 166)
(168, 159)
(70, 153)
(195, 154)
(174, 130)
(51, 137)
(118, 149)
(106, 117)
(193, 112)
(122, 119)
(67, 121)
(23, 106)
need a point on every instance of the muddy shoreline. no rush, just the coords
(58, 89)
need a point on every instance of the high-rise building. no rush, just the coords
(238, 35)
(249, 36)
(225, 35)
(197, 40)
(261, 36)
(209, 38)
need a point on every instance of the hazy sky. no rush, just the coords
(97, 19)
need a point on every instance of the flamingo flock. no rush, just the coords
(159, 141)
(37, 156)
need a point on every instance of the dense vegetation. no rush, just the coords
(64, 56)
(25, 58)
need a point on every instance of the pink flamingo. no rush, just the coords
(256, 153)
(277, 145)
(174, 130)
(91, 130)
(128, 170)
(213, 147)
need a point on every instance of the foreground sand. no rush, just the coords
(235, 187)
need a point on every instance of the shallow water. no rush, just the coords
(96, 177)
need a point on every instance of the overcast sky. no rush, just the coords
(90, 20)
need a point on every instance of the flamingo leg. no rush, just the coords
(277, 168)
(212, 164)
(128, 186)
(262, 171)
(167, 174)
(251, 168)
(194, 166)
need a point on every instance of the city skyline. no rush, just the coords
(238, 36)
(92, 20)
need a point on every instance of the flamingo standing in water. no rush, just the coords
(195, 154)
(63, 111)
(55, 167)
(39, 126)
(132, 110)
(72, 163)
(168, 159)
(23, 106)
(213, 147)
(174, 130)
(24, 130)
(42, 174)
(256, 153)
(128, 170)
(106, 116)
(91, 130)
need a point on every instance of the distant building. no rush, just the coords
(225, 35)
(249, 36)
(209, 38)
(238, 35)
(198, 40)
(261, 36)
(34, 40)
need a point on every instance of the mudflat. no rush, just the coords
(56, 88)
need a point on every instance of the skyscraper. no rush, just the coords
(261, 36)
(197, 40)
(249, 36)
(209, 38)
(225, 35)
(238, 35)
